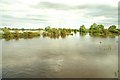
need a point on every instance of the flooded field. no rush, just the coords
(75, 56)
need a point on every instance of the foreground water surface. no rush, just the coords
(72, 57)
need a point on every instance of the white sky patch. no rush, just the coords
(58, 13)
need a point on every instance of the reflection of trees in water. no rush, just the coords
(103, 35)
(16, 35)
(63, 36)
(54, 36)
(82, 33)
(113, 35)
(10, 36)
(57, 33)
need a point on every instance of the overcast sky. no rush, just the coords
(57, 13)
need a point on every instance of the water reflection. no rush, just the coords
(58, 36)
(82, 34)
(74, 56)
(103, 36)
(0, 59)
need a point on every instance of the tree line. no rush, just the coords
(95, 30)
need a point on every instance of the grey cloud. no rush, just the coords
(60, 6)
(37, 16)
(10, 18)
(103, 10)
(5, 2)
(49, 5)
(92, 10)
(94, 6)
(110, 21)
(8, 2)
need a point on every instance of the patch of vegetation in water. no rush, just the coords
(95, 30)
(57, 32)
(16, 34)
(0, 35)
(99, 31)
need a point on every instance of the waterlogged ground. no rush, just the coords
(0, 59)
(74, 57)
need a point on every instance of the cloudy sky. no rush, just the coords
(57, 13)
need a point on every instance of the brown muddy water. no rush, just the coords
(72, 57)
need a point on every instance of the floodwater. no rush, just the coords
(72, 57)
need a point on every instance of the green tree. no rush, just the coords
(47, 28)
(112, 28)
(16, 34)
(93, 26)
(22, 29)
(82, 29)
